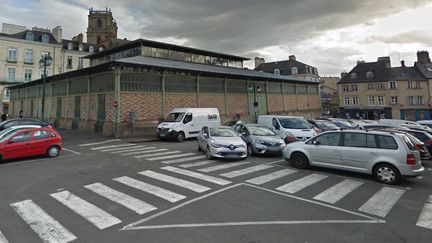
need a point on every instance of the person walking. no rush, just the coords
(3, 117)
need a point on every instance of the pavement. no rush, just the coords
(102, 189)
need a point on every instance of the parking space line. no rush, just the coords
(88, 211)
(48, 229)
(425, 219)
(136, 205)
(200, 176)
(172, 156)
(184, 159)
(123, 148)
(338, 191)
(270, 177)
(134, 151)
(114, 146)
(222, 166)
(157, 154)
(69, 150)
(196, 164)
(382, 202)
(246, 171)
(98, 143)
(175, 181)
(151, 189)
(144, 151)
(3, 238)
(301, 183)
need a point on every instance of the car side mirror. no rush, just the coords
(243, 134)
(277, 127)
(205, 135)
(315, 142)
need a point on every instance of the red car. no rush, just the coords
(29, 142)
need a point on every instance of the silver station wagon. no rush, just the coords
(387, 156)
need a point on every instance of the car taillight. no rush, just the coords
(418, 146)
(411, 159)
(428, 142)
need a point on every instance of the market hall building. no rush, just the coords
(148, 79)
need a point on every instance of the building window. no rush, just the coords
(414, 85)
(347, 101)
(410, 84)
(417, 85)
(11, 75)
(276, 71)
(27, 75)
(420, 100)
(28, 56)
(371, 101)
(101, 48)
(354, 75)
(69, 62)
(369, 74)
(45, 38)
(370, 86)
(355, 100)
(80, 48)
(411, 100)
(345, 88)
(80, 62)
(381, 100)
(91, 49)
(394, 100)
(70, 46)
(99, 23)
(6, 94)
(12, 54)
(294, 70)
(392, 85)
(354, 87)
(29, 36)
(380, 86)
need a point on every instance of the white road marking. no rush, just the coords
(270, 177)
(157, 154)
(425, 219)
(184, 159)
(195, 164)
(382, 202)
(301, 183)
(135, 151)
(151, 189)
(90, 212)
(114, 146)
(98, 143)
(175, 181)
(222, 166)
(130, 202)
(48, 229)
(246, 171)
(144, 151)
(131, 149)
(122, 148)
(74, 152)
(3, 238)
(338, 191)
(200, 176)
(172, 156)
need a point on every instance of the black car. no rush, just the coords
(423, 136)
(324, 125)
(22, 121)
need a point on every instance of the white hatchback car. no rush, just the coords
(221, 142)
(387, 156)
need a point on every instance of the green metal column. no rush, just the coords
(198, 91)
(117, 125)
(163, 94)
(283, 98)
(225, 96)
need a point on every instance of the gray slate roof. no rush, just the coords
(284, 67)
(425, 69)
(204, 68)
(37, 36)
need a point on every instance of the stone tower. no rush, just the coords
(101, 26)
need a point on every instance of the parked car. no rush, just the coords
(6, 131)
(357, 123)
(29, 142)
(396, 121)
(378, 126)
(290, 128)
(22, 121)
(419, 145)
(425, 123)
(417, 127)
(221, 142)
(423, 136)
(341, 123)
(387, 156)
(324, 125)
(260, 139)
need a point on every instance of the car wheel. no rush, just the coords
(208, 153)
(300, 161)
(180, 137)
(387, 173)
(53, 151)
(249, 150)
(199, 148)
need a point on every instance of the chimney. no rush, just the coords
(259, 61)
(423, 57)
(343, 74)
(385, 60)
(80, 38)
(403, 63)
(292, 58)
(57, 33)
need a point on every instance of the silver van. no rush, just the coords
(387, 156)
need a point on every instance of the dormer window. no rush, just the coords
(70, 46)
(369, 74)
(353, 75)
(45, 38)
(91, 49)
(99, 23)
(294, 70)
(276, 71)
(29, 36)
(81, 48)
(101, 48)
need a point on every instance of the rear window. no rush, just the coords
(388, 142)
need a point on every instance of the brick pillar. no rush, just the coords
(117, 119)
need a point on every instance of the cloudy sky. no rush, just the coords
(329, 34)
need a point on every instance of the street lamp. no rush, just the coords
(255, 88)
(45, 61)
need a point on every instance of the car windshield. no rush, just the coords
(175, 117)
(342, 124)
(222, 132)
(326, 125)
(6, 131)
(7, 136)
(294, 123)
(261, 131)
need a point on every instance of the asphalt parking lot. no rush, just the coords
(109, 190)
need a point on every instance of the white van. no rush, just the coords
(184, 123)
(290, 128)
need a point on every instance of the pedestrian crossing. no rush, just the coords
(3, 238)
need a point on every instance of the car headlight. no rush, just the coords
(290, 134)
(259, 141)
(170, 130)
(215, 145)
